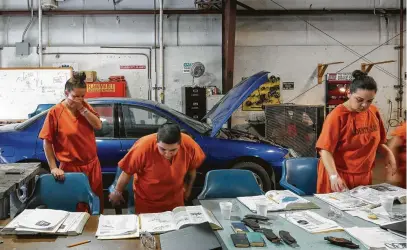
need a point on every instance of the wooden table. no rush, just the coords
(13, 242)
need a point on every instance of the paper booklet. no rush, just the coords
(311, 222)
(118, 227)
(278, 200)
(178, 218)
(372, 194)
(342, 201)
(72, 224)
(375, 238)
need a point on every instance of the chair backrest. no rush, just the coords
(301, 173)
(64, 195)
(229, 183)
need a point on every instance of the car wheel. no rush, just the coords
(262, 177)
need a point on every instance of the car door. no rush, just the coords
(137, 122)
(108, 143)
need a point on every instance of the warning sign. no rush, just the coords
(132, 66)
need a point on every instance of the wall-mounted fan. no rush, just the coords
(197, 70)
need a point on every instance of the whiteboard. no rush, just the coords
(22, 89)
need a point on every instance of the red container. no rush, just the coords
(105, 89)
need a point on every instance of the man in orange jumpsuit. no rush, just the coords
(160, 162)
(350, 137)
(68, 135)
(398, 146)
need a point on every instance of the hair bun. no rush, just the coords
(79, 76)
(358, 74)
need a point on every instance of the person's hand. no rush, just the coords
(78, 105)
(337, 184)
(116, 198)
(390, 163)
(58, 174)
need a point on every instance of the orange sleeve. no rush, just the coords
(48, 128)
(87, 105)
(134, 161)
(329, 137)
(400, 131)
(197, 154)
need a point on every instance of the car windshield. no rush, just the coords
(30, 121)
(201, 127)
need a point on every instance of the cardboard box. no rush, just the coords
(90, 76)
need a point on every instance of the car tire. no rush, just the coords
(259, 172)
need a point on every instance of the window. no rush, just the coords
(140, 122)
(106, 116)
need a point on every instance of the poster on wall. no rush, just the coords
(267, 93)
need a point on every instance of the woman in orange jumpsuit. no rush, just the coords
(398, 146)
(68, 135)
(350, 137)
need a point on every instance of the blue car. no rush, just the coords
(124, 120)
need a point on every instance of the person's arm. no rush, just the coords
(50, 155)
(189, 182)
(117, 195)
(394, 144)
(326, 145)
(91, 117)
(337, 184)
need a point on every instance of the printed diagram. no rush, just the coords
(158, 222)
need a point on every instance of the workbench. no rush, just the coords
(13, 177)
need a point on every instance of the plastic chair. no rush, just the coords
(229, 183)
(64, 195)
(299, 175)
(129, 188)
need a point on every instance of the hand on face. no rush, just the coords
(75, 98)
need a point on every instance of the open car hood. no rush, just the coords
(224, 109)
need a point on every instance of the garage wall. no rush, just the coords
(285, 45)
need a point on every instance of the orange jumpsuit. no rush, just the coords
(352, 138)
(401, 157)
(74, 145)
(159, 183)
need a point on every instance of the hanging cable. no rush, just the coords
(342, 44)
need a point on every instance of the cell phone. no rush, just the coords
(240, 240)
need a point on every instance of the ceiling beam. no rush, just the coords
(206, 12)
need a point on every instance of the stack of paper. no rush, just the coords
(48, 221)
(278, 200)
(375, 238)
(118, 227)
(312, 222)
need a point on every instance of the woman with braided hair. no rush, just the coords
(68, 136)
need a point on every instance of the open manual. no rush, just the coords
(178, 218)
(278, 200)
(47, 221)
(343, 201)
(375, 238)
(118, 227)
